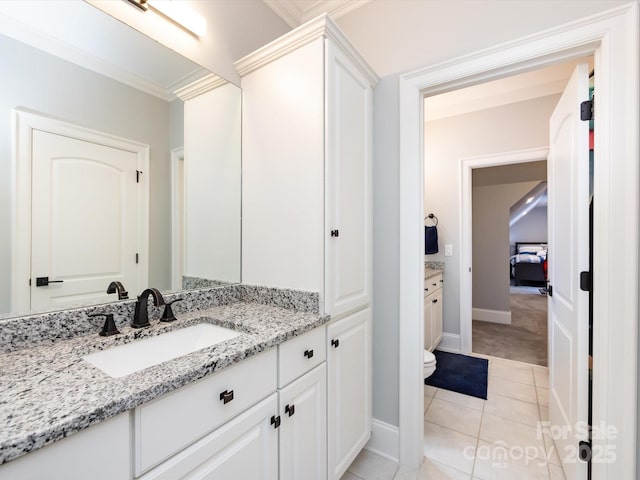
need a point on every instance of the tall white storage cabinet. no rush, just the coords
(306, 204)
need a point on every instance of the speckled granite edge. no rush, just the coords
(434, 265)
(298, 300)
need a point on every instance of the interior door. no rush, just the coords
(568, 175)
(84, 221)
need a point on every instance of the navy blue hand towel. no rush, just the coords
(430, 239)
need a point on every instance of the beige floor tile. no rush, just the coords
(349, 476)
(431, 470)
(369, 466)
(550, 449)
(544, 414)
(512, 409)
(427, 402)
(456, 417)
(556, 472)
(497, 462)
(514, 373)
(541, 376)
(507, 388)
(516, 436)
(460, 399)
(429, 391)
(543, 397)
(449, 448)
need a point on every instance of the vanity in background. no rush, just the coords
(433, 283)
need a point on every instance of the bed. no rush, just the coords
(528, 266)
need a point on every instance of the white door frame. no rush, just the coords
(612, 37)
(177, 218)
(467, 165)
(24, 122)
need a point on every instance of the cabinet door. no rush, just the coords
(303, 432)
(436, 318)
(245, 447)
(349, 390)
(428, 323)
(347, 185)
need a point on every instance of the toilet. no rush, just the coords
(429, 364)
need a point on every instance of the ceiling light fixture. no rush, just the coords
(177, 12)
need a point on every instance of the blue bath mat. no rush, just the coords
(460, 373)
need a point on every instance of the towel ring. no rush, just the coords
(433, 218)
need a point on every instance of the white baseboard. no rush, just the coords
(493, 316)
(385, 440)
(450, 343)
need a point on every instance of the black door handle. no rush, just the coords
(308, 353)
(44, 281)
(335, 343)
(290, 410)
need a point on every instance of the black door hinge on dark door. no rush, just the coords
(586, 110)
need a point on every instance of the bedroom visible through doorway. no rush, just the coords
(509, 250)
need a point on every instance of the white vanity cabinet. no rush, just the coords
(349, 390)
(306, 167)
(432, 311)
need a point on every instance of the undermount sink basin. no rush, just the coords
(125, 359)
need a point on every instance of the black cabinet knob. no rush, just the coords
(275, 421)
(434, 301)
(308, 353)
(290, 410)
(226, 396)
(335, 343)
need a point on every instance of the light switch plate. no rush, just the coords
(448, 250)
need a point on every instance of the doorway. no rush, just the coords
(78, 190)
(615, 341)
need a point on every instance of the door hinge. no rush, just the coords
(584, 451)
(586, 110)
(585, 281)
(138, 173)
(550, 290)
(137, 257)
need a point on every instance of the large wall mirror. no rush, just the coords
(106, 173)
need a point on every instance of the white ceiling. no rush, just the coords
(297, 12)
(517, 88)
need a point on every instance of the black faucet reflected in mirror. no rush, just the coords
(118, 287)
(141, 316)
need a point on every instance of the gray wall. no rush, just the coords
(490, 250)
(530, 228)
(48, 85)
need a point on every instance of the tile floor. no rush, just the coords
(467, 438)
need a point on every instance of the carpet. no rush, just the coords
(460, 373)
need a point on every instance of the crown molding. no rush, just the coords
(295, 16)
(321, 26)
(203, 85)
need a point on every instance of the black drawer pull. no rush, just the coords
(335, 343)
(275, 421)
(335, 233)
(434, 284)
(226, 396)
(441, 281)
(434, 301)
(308, 353)
(290, 410)
(426, 289)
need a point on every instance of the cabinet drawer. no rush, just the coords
(170, 423)
(432, 284)
(300, 354)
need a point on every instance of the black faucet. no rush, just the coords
(141, 317)
(118, 287)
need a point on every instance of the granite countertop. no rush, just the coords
(49, 392)
(431, 272)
